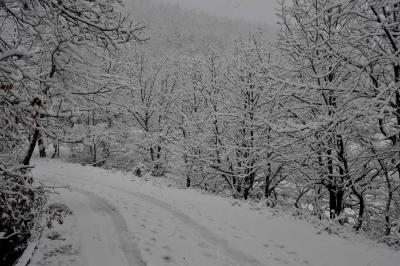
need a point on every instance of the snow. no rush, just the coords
(119, 219)
(14, 52)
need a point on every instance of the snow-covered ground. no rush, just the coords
(118, 219)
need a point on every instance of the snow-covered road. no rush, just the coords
(122, 220)
(104, 234)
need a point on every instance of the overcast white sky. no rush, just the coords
(250, 10)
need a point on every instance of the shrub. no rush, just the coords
(20, 206)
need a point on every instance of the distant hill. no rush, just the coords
(173, 29)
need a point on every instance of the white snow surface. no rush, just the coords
(119, 220)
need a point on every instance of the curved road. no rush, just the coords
(118, 220)
(112, 221)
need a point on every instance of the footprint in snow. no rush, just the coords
(167, 258)
(148, 250)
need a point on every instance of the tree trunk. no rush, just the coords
(248, 185)
(389, 199)
(267, 192)
(158, 152)
(388, 228)
(56, 150)
(335, 202)
(246, 190)
(31, 148)
(42, 148)
(152, 154)
(239, 185)
(94, 153)
(187, 171)
(361, 210)
(187, 181)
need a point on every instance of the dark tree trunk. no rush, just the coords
(187, 171)
(301, 194)
(248, 185)
(56, 150)
(42, 148)
(94, 153)
(335, 202)
(267, 191)
(152, 154)
(158, 152)
(246, 191)
(31, 148)
(234, 178)
(239, 186)
(187, 181)
(388, 227)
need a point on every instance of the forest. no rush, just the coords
(306, 117)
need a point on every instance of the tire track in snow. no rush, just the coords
(129, 248)
(233, 253)
(237, 255)
(99, 205)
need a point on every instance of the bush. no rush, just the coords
(20, 205)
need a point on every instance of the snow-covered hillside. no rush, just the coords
(305, 118)
(118, 219)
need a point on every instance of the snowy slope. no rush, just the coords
(119, 219)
